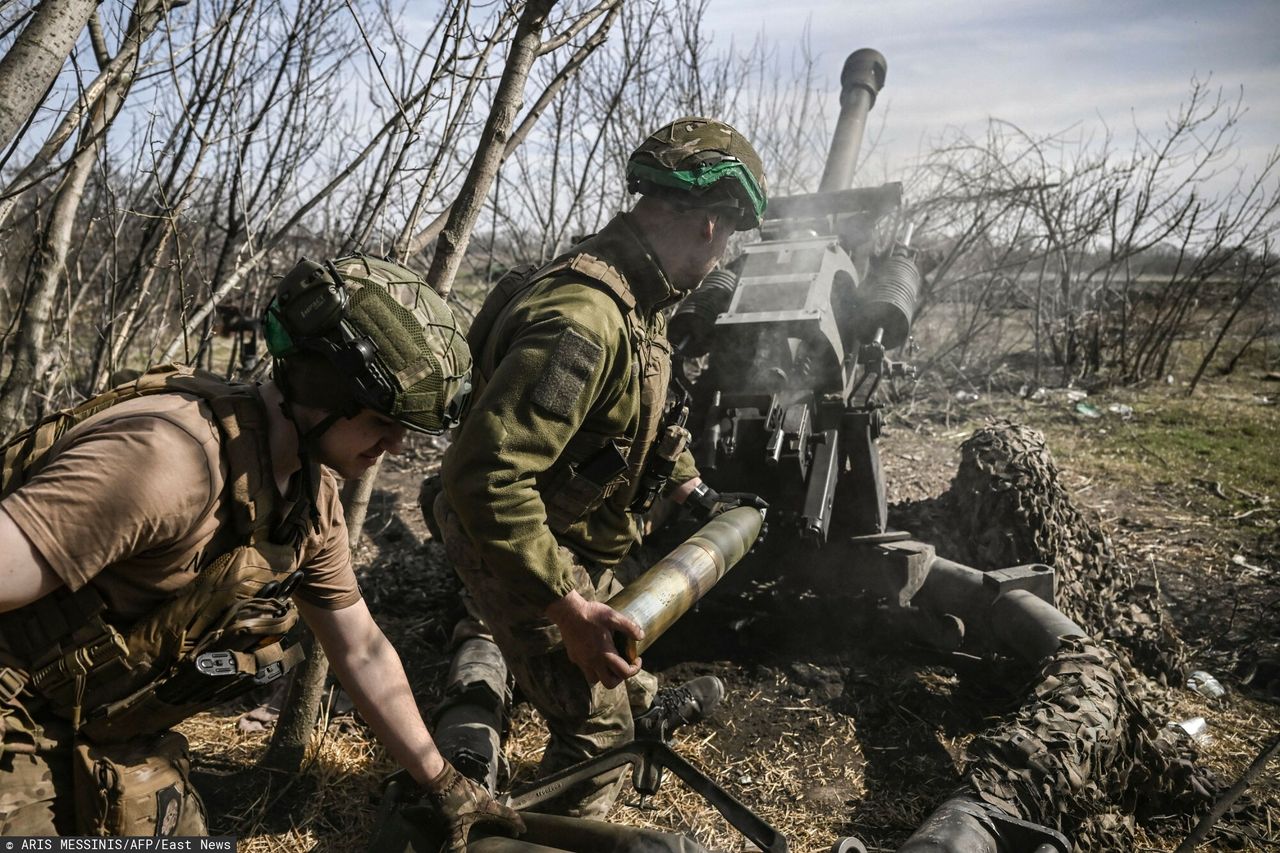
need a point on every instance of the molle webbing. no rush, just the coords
(37, 632)
(66, 649)
(567, 496)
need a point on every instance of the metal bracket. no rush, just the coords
(905, 565)
(216, 663)
(649, 757)
(1024, 836)
(1035, 578)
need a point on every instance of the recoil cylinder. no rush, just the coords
(694, 321)
(888, 301)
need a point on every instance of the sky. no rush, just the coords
(1045, 66)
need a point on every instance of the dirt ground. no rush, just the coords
(831, 727)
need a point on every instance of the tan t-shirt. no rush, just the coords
(132, 499)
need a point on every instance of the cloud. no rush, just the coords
(1046, 66)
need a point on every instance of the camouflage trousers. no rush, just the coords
(584, 719)
(36, 784)
(38, 795)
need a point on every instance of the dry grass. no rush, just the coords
(792, 782)
(809, 788)
(873, 763)
(327, 807)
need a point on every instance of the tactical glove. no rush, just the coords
(705, 503)
(436, 817)
(463, 804)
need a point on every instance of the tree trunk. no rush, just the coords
(33, 63)
(453, 241)
(31, 357)
(1243, 294)
(405, 247)
(298, 716)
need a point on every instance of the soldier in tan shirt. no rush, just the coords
(140, 508)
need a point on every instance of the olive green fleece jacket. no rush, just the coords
(567, 333)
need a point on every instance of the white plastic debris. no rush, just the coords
(1196, 728)
(1205, 684)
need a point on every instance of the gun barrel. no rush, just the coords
(676, 582)
(861, 80)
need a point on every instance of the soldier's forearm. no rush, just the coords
(370, 670)
(380, 690)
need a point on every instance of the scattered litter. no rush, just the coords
(1214, 487)
(1121, 409)
(1240, 561)
(1206, 685)
(1039, 395)
(745, 780)
(966, 397)
(1087, 410)
(1168, 380)
(1196, 728)
(259, 719)
(1075, 395)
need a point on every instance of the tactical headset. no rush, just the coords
(309, 315)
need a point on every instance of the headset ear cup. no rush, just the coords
(279, 342)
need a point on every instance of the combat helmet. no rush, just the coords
(702, 162)
(360, 332)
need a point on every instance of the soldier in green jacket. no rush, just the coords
(540, 485)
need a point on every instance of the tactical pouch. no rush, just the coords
(246, 654)
(137, 788)
(580, 487)
(222, 636)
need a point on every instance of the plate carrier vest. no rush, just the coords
(568, 496)
(219, 636)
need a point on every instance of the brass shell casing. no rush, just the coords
(675, 583)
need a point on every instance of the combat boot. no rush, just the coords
(673, 707)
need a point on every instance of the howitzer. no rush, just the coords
(797, 338)
(785, 352)
(791, 343)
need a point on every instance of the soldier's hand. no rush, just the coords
(588, 628)
(464, 804)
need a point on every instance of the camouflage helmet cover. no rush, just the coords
(704, 159)
(393, 345)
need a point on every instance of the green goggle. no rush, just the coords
(703, 177)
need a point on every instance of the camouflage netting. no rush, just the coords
(1082, 756)
(1009, 507)
(1085, 753)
